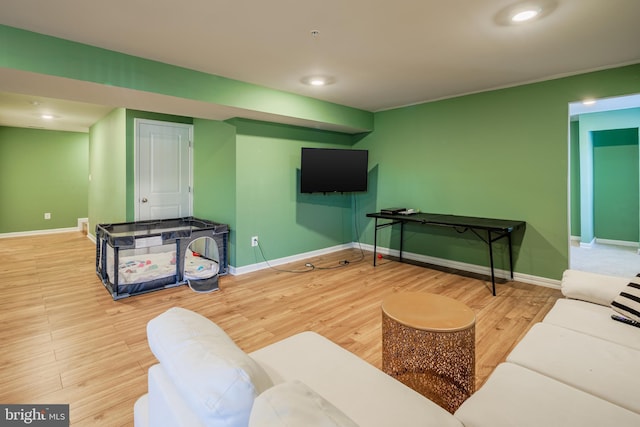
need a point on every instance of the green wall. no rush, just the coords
(589, 125)
(42, 171)
(616, 146)
(112, 164)
(108, 170)
(246, 174)
(616, 201)
(268, 200)
(214, 176)
(500, 154)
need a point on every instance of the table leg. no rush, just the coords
(375, 242)
(493, 276)
(510, 255)
(401, 238)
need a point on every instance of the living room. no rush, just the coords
(499, 153)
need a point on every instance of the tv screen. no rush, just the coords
(333, 170)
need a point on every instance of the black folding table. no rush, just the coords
(496, 229)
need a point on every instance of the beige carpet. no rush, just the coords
(605, 259)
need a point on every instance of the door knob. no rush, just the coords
(144, 200)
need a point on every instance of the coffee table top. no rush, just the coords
(428, 312)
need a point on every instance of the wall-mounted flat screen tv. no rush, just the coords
(333, 170)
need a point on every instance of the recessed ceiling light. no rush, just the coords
(525, 11)
(525, 15)
(47, 116)
(318, 80)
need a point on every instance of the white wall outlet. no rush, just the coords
(254, 241)
(47, 215)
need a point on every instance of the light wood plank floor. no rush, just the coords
(64, 340)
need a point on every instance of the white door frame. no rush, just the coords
(136, 154)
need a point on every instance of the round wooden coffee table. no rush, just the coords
(428, 343)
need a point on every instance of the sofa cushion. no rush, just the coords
(141, 411)
(592, 319)
(592, 287)
(361, 391)
(591, 364)
(215, 377)
(627, 302)
(166, 404)
(516, 396)
(294, 404)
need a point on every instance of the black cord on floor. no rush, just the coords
(310, 266)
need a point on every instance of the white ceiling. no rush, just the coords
(382, 54)
(19, 110)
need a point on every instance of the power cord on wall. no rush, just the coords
(308, 270)
(309, 266)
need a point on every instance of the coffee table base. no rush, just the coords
(439, 365)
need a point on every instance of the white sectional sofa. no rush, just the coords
(576, 368)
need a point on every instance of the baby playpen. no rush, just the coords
(143, 256)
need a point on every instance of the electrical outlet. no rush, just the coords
(254, 241)
(47, 215)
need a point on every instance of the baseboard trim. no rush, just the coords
(587, 245)
(471, 268)
(39, 232)
(80, 225)
(285, 260)
(456, 265)
(616, 242)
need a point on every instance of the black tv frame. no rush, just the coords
(333, 170)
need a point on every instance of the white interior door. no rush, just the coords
(163, 170)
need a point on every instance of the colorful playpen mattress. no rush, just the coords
(148, 267)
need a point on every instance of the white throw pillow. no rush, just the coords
(216, 378)
(294, 404)
(627, 302)
(591, 287)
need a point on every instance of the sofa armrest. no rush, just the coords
(592, 287)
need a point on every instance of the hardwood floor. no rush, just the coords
(64, 340)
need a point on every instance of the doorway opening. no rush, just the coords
(604, 204)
